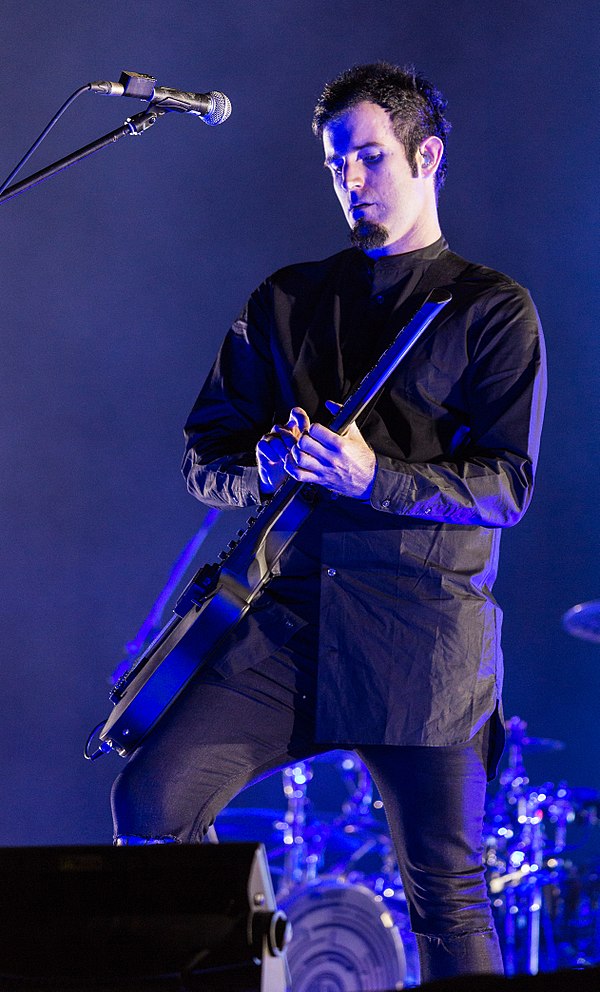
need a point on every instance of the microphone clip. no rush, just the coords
(137, 84)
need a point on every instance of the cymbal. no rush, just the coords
(583, 620)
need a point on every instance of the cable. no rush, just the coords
(47, 129)
(103, 748)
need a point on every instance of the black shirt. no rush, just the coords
(401, 586)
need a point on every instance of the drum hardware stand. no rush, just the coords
(360, 786)
(360, 912)
(527, 861)
(303, 845)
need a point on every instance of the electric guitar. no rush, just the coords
(220, 595)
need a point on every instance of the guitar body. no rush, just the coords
(219, 596)
(182, 647)
(204, 617)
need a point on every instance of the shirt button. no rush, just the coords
(331, 572)
(385, 503)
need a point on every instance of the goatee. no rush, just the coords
(365, 234)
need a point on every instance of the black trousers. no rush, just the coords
(223, 734)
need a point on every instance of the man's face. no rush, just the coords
(373, 180)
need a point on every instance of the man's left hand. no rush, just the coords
(345, 464)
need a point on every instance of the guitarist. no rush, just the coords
(379, 631)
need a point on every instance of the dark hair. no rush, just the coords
(414, 105)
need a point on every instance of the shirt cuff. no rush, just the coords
(247, 487)
(391, 488)
(395, 491)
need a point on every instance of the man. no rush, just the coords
(379, 630)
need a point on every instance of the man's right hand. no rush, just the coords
(272, 449)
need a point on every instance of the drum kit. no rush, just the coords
(337, 879)
(546, 904)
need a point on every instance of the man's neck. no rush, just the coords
(421, 236)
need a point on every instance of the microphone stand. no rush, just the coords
(133, 125)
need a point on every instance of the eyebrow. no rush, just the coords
(355, 148)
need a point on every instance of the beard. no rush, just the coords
(365, 234)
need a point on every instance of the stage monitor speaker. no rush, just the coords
(172, 916)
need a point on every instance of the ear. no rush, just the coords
(429, 156)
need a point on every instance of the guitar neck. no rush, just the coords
(369, 388)
(249, 562)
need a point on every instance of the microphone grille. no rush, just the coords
(220, 109)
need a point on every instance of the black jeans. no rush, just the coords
(223, 734)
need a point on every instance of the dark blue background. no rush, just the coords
(119, 278)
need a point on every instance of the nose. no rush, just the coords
(352, 176)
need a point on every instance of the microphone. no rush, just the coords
(212, 108)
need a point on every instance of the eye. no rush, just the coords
(372, 157)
